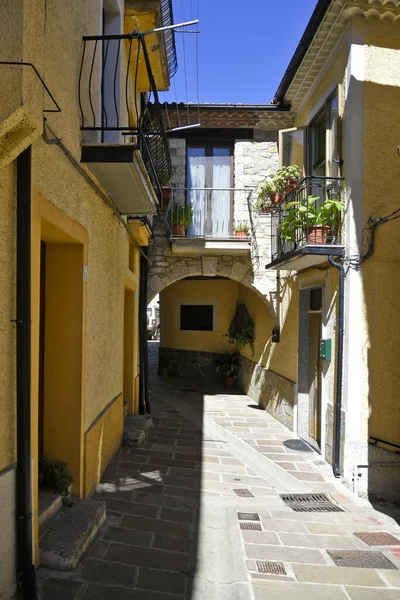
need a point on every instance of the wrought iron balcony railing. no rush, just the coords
(310, 215)
(119, 103)
(210, 213)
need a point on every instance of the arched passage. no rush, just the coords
(239, 270)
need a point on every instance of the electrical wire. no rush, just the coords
(356, 261)
(166, 111)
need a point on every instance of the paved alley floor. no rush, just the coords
(197, 514)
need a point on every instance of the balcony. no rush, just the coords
(201, 221)
(123, 137)
(307, 226)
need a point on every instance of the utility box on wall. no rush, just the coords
(325, 349)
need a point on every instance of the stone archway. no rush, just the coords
(236, 268)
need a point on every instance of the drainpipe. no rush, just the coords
(339, 369)
(144, 406)
(25, 566)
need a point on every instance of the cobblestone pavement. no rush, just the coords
(196, 514)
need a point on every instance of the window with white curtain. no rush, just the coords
(209, 182)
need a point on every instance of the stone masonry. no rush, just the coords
(254, 160)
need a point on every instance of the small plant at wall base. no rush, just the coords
(181, 218)
(228, 364)
(242, 229)
(56, 476)
(318, 223)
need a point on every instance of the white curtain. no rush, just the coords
(221, 201)
(196, 178)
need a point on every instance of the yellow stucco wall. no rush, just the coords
(102, 441)
(221, 292)
(263, 321)
(7, 312)
(381, 274)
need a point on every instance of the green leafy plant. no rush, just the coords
(228, 364)
(265, 195)
(271, 192)
(56, 476)
(286, 177)
(242, 226)
(182, 214)
(304, 214)
(244, 336)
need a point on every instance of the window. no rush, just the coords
(316, 147)
(291, 143)
(196, 317)
(210, 166)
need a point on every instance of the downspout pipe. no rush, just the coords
(144, 406)
(25, 567)
(339, 369)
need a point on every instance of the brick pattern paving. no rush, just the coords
(147, 549)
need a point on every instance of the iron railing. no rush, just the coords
(169, 36)
(118, 100)
(310, 215)
(211, 213)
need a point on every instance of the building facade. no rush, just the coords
(80, 179)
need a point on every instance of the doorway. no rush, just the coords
(209, 167)
(309, 367)
(60, 436)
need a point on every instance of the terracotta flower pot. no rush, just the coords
(276, 198)
(267, 209)
(230, 382)
(318, 234)
(241, 234)
(291, 185)
(178, 230)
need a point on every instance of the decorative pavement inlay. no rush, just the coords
(360, 558)
(248, 516)
(274, 568)
(377, 538)
(243, 493)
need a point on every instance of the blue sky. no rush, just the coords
(244, 48)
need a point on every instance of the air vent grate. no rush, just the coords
(310, 503)
(250, 526)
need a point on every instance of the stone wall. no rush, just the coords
(188, 364)
(254, 160)
(271, 391)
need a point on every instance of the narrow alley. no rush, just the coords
(197, 513)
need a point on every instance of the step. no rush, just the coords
(49, 504)
(66, 536)
(137, 429)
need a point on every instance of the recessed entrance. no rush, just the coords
(60, 352)
(309, 367)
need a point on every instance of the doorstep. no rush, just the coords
(137, 429)
(66, 536)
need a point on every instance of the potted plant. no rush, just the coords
(242, 229)
(267, 197)
(228, 364)
(318, 223)
(181, 217)
(286, 179)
